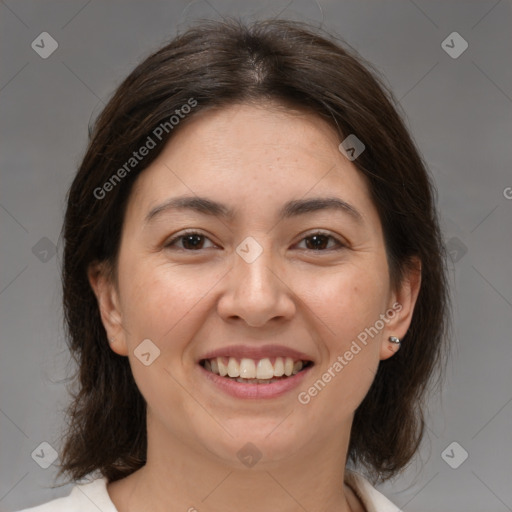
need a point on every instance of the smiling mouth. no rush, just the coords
(252, 371)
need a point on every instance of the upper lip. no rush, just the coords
(256, 353)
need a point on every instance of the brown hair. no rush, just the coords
(216, 64)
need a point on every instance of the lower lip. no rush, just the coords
(243, 390)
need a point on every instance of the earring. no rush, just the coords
(396, 342)
(111, 340)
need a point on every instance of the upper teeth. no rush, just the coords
(253, 369)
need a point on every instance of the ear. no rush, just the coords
(401, 307)
(107, 296)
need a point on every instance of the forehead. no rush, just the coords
(251, 156)
(270, 131)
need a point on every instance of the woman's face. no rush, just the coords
(286, 260)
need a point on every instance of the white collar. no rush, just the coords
(373, 500)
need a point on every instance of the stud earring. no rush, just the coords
(111, 340)
(395, 341)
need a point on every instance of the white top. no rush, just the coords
(93, 496)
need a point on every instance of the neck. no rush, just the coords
(181, 477)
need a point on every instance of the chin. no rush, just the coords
(254, 441)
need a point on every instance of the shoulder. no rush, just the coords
(90, 496)
(373, 500)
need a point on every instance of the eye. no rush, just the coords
(320, 242)
(195, 241)
(190, 241)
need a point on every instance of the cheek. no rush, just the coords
(163, 304)
(348, 300)
(157, 299)
(166, 304)
(347, 307)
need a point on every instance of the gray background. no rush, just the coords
(460, 113)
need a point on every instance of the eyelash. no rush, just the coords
(340, 244)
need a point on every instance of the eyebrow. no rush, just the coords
(290, 209)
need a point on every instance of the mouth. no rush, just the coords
(255, 372)
(263, 371)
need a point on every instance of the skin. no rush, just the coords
(252, 159)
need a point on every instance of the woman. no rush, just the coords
(253, 282)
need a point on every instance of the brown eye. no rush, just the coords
(189, 241)
(320, 242)
(193, 241)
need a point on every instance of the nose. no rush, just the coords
(257, 292)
